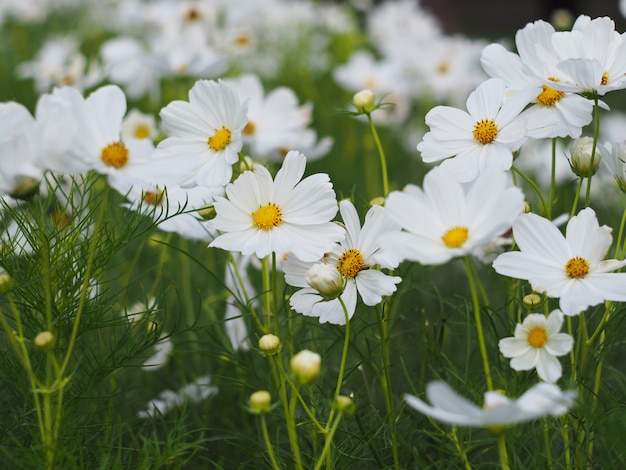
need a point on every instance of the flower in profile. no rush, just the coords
(354, 260)
(615, 162)
(484, 136)
(583, 155)
(571, 267)
(205, 133)
(498, 412)
(446, 219)
(287, 214)
(536, 345)
(194, 392)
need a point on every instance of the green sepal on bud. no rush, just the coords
(532, 301)
(345, 405)
(207, 213)
(260, 402)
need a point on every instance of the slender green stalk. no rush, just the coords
(329, 440)
(552, 180)
(479, 323)
(383, 324)
(268, 443)
(576, 198)
(565, 434)
(620, 235)
(266, 293)
(344, 355)
(246, 297)
(275, 292)
(531, 183)
(546, 440)
(596, 132)
(381, 153)
(504, 456)
(459, 449)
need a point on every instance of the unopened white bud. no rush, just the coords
(306, 366)
(260, 401)
(326, 279)
(269, 344)
(364, 100)
(581, 151)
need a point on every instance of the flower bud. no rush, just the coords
(207, 213)
(269, 344)
(260, 401)
(364, 100)
(306, 366)
(532, 301)
(246, 164)
(580, 151)
(527, 208)
(44, 341)
(25, 188)
(326, 279)
(6, 282)
(344, 405)
(377, 201)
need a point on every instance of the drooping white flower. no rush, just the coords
(498, 411)
(446, 219)
(485, 136)
(536, 345)
(205, 133)
(571, 267)
(194, 392)
(287, 214)
(354, 258)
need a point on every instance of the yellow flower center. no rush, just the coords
(115, 155)
(250, 129)
(350, 263)
(455, 237)
(141, 131)
(605, 78)
(443, 67)
(242, 40)
(577, 267)
(549, 96)
(220, 139)
(153, 198)
(267, 217)
(485, 131)
(537, 337)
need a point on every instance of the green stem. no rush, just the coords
(566, 449)
(576, 198)
(532, 184)
(344, 355)
(596, 132)
(546, 439)
(552, 180)
(504, 456)
(381, 153)
(383, 324)
(249, 306)
(618, 245)
(266, 292)
(479, 323)
(268, 443)
(459, 449)
(328, 442)
(596, 384)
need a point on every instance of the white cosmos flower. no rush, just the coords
(264, 216)
(536, 345)
(205, 133)
(498, 411)
(355, 258)
(571, 268)
(484, 136)
(446, 219)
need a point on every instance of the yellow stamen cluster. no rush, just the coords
(485, 131)
(350, 263)
(115, 155)
(153, 198)
(549, 96)
(220, 139)
(455, 237)
(267, 217)
(141, 131)
(605, 78)
(577, 267)
(537, 337)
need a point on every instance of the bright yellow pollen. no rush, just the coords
(220, 140)
(141, 131)
(605, 78)
(267, 217)
(115, 155)
(549, 96)
(485, 131)
(537, 337)
(443, 67)
(455, 237)
(577, 267)
(250, 129)
(242, 40)
(350, 263)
